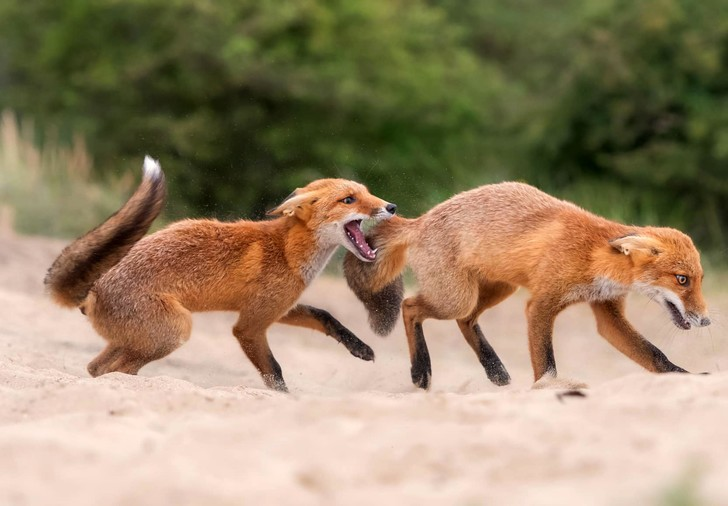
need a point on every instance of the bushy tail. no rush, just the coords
(83, 261)
(378, 285)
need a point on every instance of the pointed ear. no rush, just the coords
(636, 243)
(294, 204)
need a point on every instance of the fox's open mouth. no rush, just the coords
(677, 318)
(356, 236)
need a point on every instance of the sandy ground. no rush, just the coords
(199, 428)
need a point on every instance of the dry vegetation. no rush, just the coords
(47, 186)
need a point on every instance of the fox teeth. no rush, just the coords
(375, 250)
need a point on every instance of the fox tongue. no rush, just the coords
(356, 236)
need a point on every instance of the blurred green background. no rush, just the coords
(620, 106)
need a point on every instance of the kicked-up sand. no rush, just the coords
(198, 427)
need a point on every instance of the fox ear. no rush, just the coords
(632, 243)
(294, 205)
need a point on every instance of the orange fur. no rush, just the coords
(474, 250)
(140, 299)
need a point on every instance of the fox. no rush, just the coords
(473, 251)
(139, 292)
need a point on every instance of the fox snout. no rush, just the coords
(696, 310)
(698, 320)
(682, 317)
(385, 211)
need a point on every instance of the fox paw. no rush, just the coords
(421, 376)
(498, 375)
(356, 346)
(361, 350)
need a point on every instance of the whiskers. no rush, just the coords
(671, 335)
(717, 326)
(716, 317)
(711, 340)
(686, 348)
(657, 325)
(702, 346)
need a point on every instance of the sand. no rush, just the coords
(199, 427)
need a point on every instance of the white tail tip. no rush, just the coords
(152, 169)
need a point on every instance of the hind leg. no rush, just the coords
(117, 359)
(454, 296)
(101, 364)
(156, 333)
(490, 295)
(414, 312)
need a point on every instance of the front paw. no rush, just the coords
(362, 350)
(674, 368)
(356, 346)
(498, 375)
(421, 373)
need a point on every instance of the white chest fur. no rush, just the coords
(598, 290)
(316, 263)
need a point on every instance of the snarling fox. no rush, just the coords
(139, 292)
(474, 250)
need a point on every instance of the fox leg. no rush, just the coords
(456, 295)
(541, 313)
(318, 319)
(414, 312)
(115, 359)
(156, 333)
(614, 327)
(254, 342)
(490, 295)
(105, 361)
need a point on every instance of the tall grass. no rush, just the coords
(48, 188)
(685, 490)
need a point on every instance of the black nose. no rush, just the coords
(391, 208)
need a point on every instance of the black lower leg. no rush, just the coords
(335, 329)
(274, 378)
(421, 367)
(550, 361)
(494, 368)
(662, 364)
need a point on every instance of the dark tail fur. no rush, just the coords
(378, 285)
(86, 259)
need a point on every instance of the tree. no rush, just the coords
(244, 100)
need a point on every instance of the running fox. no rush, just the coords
(474, 250)
(139, 293)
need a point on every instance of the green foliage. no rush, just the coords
(243, 100)
(619, 105)
(640, 103)
(683, 491)
(623, 105)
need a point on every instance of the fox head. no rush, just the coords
(335, 208)
(667, 268)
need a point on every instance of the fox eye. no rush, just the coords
(348, 200)
(681, 280)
